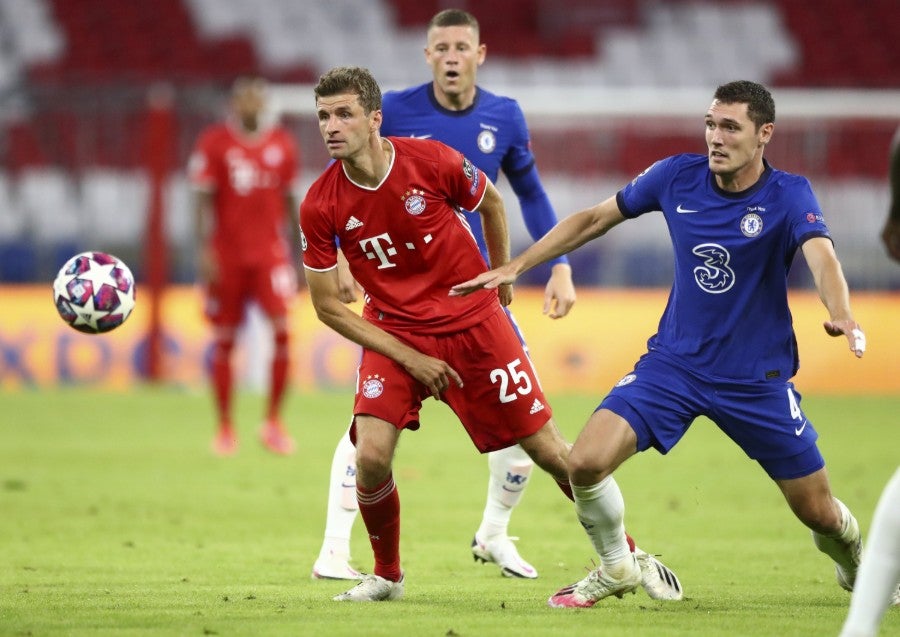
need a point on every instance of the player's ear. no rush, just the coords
(765, 133)
(375, 121)
(482, 53)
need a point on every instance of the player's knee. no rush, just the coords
(372, 466)
(586, 468)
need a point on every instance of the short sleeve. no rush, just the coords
(464, 182)
(642, 194)
(317, 236)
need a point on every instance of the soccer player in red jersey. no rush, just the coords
(243, 170)
(393, 205)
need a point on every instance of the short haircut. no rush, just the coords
(249, 83)
(454, 18)
(760, 105)
(351, 79)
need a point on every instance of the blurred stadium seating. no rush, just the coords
(75, 75)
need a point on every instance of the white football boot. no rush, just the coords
(502, 552)
(373, 589)
(658, 580)
(598, 585)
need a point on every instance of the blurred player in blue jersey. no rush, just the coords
(491, 131)
(725, 347)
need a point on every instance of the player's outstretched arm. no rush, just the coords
(570, 233)
(833, 290)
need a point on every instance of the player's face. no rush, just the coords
(344, 125)
(732, 139)
(248, 102)
(454, 55)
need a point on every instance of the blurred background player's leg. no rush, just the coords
(273, 434)
(510, 470)
(334, 557)
(225, 442)
(877, 581)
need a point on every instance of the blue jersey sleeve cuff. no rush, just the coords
(624, 209)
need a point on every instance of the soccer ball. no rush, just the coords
(94, 292)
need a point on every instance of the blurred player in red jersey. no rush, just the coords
(394, 206)
(243, 170)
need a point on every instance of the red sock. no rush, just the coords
(278, 381)
(221, 378)
(380, 510)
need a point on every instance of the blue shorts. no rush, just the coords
(661, 399)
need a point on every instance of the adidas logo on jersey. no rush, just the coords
(536, 406)
(353, 223)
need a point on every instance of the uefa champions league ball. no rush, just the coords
(94, 292)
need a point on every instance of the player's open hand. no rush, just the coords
(559, 294)
(434, 373)
(852, 331)
(207, 265)
(484, 281)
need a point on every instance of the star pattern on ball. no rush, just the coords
(88, 315)
(100, 274)
(61, 285)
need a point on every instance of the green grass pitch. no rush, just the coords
(116, 520)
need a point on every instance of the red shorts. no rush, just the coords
(272, 285)
(500, 402)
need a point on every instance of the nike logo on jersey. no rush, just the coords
(353, 223)
(799, 430)
(425, 136)
(683, 211)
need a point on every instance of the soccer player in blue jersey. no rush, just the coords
(725, 347)
(491, 131)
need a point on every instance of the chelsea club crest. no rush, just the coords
(751, 225)
(486, 141)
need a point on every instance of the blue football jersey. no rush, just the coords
(491, 133)
(727, 315)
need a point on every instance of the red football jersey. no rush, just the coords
(405, 240)
(249, 176)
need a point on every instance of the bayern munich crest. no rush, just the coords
(373, 387)
(751, 225)
(414, 201)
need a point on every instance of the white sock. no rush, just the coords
(342, 504)
(510, 469)
(879, 572)
(601, 511)
(840, 547)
